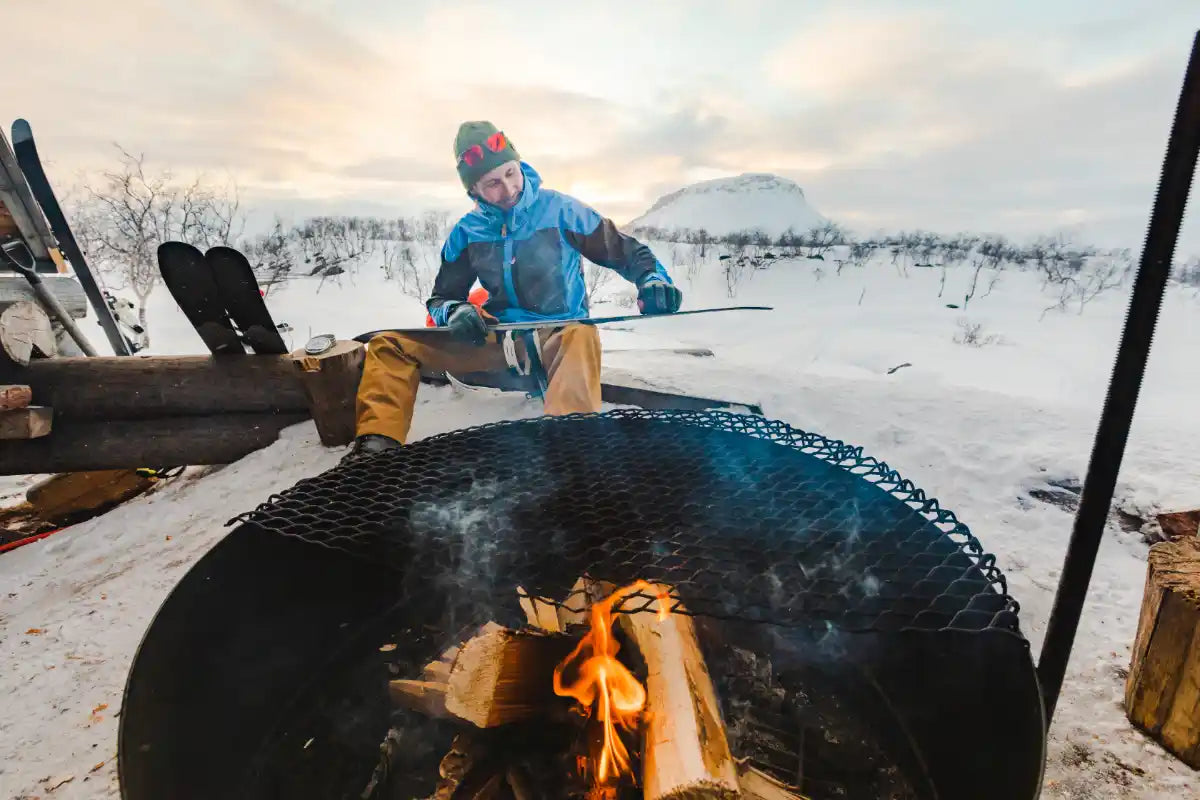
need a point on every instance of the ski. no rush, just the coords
(189, 278)
(243, 300)
(558, 323)
(31, 166)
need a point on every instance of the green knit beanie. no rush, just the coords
(477, 132)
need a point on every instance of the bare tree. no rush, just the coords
(595, 278)
(820, 238)
(130, 211)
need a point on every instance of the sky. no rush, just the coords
(1019, 118)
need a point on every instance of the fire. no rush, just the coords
(603, 685)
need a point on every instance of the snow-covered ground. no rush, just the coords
(977, 427)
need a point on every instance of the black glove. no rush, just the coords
(466, 323)
(656, 296)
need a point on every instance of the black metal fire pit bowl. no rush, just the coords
(861, 639)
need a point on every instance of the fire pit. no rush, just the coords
(859, 641)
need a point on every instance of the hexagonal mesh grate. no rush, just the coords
(747, 518)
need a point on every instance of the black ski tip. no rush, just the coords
(21, 132)
(174, 249)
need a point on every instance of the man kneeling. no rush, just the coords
(522, 243)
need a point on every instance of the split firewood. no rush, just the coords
(685, 750)
(427, 697)
(13, 397)
(540, 612)
(1162, 692)
(578, 602)
(505, 676)
(758, 785)
(464, 752)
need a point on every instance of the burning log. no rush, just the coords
(685, 751)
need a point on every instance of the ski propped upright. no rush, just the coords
(242, 299)
(39, 184)
(558, 323)
(190, 281)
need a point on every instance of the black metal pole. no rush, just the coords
(1179, 166)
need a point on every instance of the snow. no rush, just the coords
(977, 427)
(749, 202)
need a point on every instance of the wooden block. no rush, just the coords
(25, 334)
(14, 397)
(31, 422)
(330, 381)
(74, 494)
(1162, 692)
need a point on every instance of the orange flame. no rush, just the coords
(603, 684)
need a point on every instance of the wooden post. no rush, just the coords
(330, 382)
(1162, 693)
(31, 422)
(14, 397)
(25, 333)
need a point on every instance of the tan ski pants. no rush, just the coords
(392, 373)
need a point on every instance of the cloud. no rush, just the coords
(931, 118)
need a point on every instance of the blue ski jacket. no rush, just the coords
(528, 258)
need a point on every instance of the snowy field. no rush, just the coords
(978, 427)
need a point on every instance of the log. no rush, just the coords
(15, 289)
(13, 397)
(758, 785)
(141, 387)
(32, 422)
(25, 334)
(1162, 692)
(685, 750)
(330, 382)
(505, 676)
(540, 612)
(125, 444)
(72, 495)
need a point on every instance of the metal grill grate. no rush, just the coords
(747, 518)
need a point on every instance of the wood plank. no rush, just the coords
(14, 288)
(68, 495)
(31, 422)
(330, 382)
(163, 442)
(1162, 692)
(14, 396)
(142, 387)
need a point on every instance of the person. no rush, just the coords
(522, 243)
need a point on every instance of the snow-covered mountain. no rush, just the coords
(753, 201)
